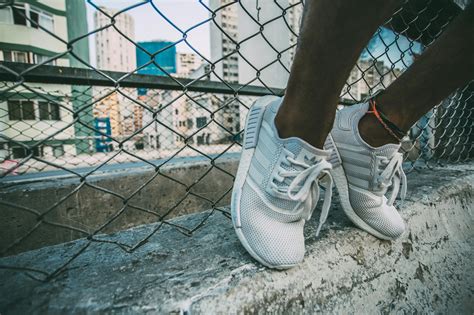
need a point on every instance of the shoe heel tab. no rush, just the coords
(350, 114)
(275, 103)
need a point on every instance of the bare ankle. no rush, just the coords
(290, 126)
(372, 132)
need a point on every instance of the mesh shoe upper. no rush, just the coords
(279, 192)
(370, 172)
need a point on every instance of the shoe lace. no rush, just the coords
(393, 175)
(305, 183)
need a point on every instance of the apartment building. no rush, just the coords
(114, 52)
(42, 113)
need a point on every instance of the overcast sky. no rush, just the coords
(149, 25)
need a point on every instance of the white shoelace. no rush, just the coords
(393, 175)
(308, 183)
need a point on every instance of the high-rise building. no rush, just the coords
(42, 114)
(224, 39)
(265, 53)
(224, 36)
(186, 63)
(156, 57)
(114, 52)
(367, 77)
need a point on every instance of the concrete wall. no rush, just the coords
(97, 200)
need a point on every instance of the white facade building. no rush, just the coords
(116, 53)
(158, 134)
(265, 57)
(223, 41)
(186, 63)
(29, 116)
(113, 51)
(224, 36)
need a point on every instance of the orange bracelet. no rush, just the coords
(380, 119)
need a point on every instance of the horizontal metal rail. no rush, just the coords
(13, 71)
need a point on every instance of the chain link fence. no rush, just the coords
(72, 128)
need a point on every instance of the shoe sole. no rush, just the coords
(252, 127)
(340, 181)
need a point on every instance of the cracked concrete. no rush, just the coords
(429, 270)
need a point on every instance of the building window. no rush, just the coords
(20, 152)
(25, 57)
(201, 122)
(46, 20)
(19, 15)
(16, 56)
(48, 111)
(42, 58)
(25, 14)
(34, 16)
(200, 139)
(21, 110)
(58, 150)
(6, 15)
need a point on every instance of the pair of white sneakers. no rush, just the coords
(276, 188)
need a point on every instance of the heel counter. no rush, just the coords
(334, 158)
(254, 121)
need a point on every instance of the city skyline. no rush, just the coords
(185, 14)
(125, 112)
(150, 26)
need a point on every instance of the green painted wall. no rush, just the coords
(81, 95)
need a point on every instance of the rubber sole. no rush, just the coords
(252, 125)
(340, 181)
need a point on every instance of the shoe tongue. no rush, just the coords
(304, 152)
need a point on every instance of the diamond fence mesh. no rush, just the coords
(73, 129)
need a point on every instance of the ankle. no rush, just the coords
(372, 132)
(291, 126)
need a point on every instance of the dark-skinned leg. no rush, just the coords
(446, 65)
(333, 35)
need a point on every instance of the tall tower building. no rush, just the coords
(116, 53)
(224, 36)
(223, 39)
(113, 51)
(265, 54)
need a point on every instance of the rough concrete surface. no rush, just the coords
(88, 205)
(429, 270)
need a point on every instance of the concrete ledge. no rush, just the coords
(429, 270)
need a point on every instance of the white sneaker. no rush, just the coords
(365, 174)
(276, 189)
